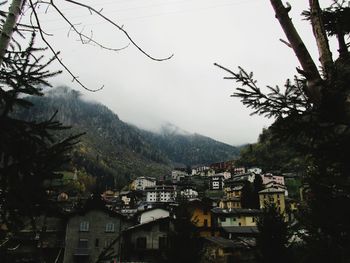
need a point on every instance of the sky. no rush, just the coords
(186, 90)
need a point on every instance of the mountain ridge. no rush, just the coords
(113, 148)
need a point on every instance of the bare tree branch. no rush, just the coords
(75, 78)
(98, 12)
(83, 38)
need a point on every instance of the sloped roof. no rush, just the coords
(235, 211)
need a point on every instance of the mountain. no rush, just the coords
(117, 151)
(190, 149)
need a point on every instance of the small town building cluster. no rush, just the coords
(136, 224)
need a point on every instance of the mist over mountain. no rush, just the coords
(116, 150)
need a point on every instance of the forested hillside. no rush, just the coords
(115, 151)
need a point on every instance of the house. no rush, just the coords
(92, 231)
(189, 193)
(230, 202)
(273, 184)
(177, 175)
(234, 217)
(201, 216)
(255, 170)
(140, 183)
(203, 171)
(147, 242)
(232, 232)
(216, 182)
(223, 250)
(272, 178)
(243, 177)
(273, 195)
(239, 170)
(43, 243)
(160, 193)
(223, 166)
(152, 214)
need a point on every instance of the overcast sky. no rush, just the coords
(187, 90)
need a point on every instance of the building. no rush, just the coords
(216, 182)
(140, 183)
(230, 202)
(273, 195)
(267, 178)
(92, 231)
(152, 214)
(243, 177)
(203, 171)
(189, 193)
(43, 244)
(160, 193)
(201, 216)
(177, 175)
(234, 217)
(147, 242)
(255, 170)
(239, 170)
(223, 250)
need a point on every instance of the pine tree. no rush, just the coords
(273, 236)
(30, 155)
(313, 113)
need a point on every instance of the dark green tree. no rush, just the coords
(184, 241)
(30, 154)
(258, 186)
(248, 195)
(314, 113)
(272, 240)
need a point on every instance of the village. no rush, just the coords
(222, 202)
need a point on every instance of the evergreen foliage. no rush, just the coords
(273, 235)
(30, 154)
(313, 112)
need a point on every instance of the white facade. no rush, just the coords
(267, 178)
(255, 170)
(160, 193)
(177, 175)
(203, 171)
(189, 193)
(140, 183)
(153, 214)
(226, 175)
(239, 170)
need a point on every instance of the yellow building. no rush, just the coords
(273, 195)
(234, 217)
(201, 217)
(231, 202)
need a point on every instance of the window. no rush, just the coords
(84, 226)
(253, 219)
(163, 242)
(97, 242)
(141, 242)
(83, 243)
(109, 227)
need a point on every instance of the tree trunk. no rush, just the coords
(309, 67)
(9, 26)
(321, 40)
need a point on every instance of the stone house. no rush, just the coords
(92, 232)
